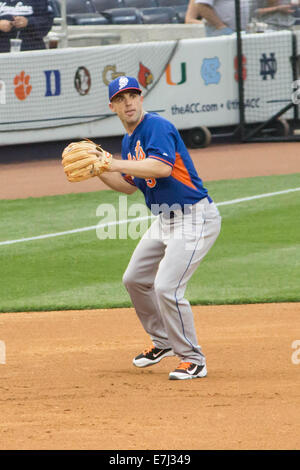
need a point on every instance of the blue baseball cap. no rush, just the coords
(121, 84)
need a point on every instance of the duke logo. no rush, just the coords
(268, 66)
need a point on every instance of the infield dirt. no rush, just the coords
(68, 381)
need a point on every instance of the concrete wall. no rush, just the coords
(81, 36)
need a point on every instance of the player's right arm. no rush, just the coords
(116, 182)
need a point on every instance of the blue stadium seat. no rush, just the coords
(297, 16)
(180, 6)
(55, 5)
(102, 5)
(84, 19)
(140, 3)
(180, 12)
(123, 16)
(159, 15)
(171, 3)
(80, 6)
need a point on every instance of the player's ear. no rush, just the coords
(111, 106)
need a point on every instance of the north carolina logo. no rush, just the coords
(209, 71)
(145, 76)
(122, 82)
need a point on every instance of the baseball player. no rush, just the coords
(156, 161)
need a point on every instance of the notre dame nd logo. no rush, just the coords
(268, 66)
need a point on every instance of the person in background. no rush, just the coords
(277, 14)
(29, 20)
(192, 14)
(219, 15)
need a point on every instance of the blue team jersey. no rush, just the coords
(156, 137)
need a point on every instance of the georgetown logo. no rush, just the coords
(110, 73)
(268, 66)
(82, 81)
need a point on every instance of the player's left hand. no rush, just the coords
(83, 160)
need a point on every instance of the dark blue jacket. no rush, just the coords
(40, 20)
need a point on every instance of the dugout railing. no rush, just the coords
(269, 66)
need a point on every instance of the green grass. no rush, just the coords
(255, 259)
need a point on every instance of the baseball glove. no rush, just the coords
(80, 165)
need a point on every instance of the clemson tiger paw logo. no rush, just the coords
(22, 86)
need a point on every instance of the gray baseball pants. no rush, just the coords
(157, 275)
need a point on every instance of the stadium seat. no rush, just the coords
(180, 12)
(297, 16)
(80, 6)
(84, 19)
(171, 3)
(180, 6)
(159, 15)
(55, 5)
(140, 3)
(102, 5)
(123, 16)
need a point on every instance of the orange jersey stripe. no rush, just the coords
(161, 159)
(180, 172)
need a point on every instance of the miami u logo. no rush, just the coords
(183, 74)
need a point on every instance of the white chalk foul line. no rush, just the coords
(258, 196)
(139, 219)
